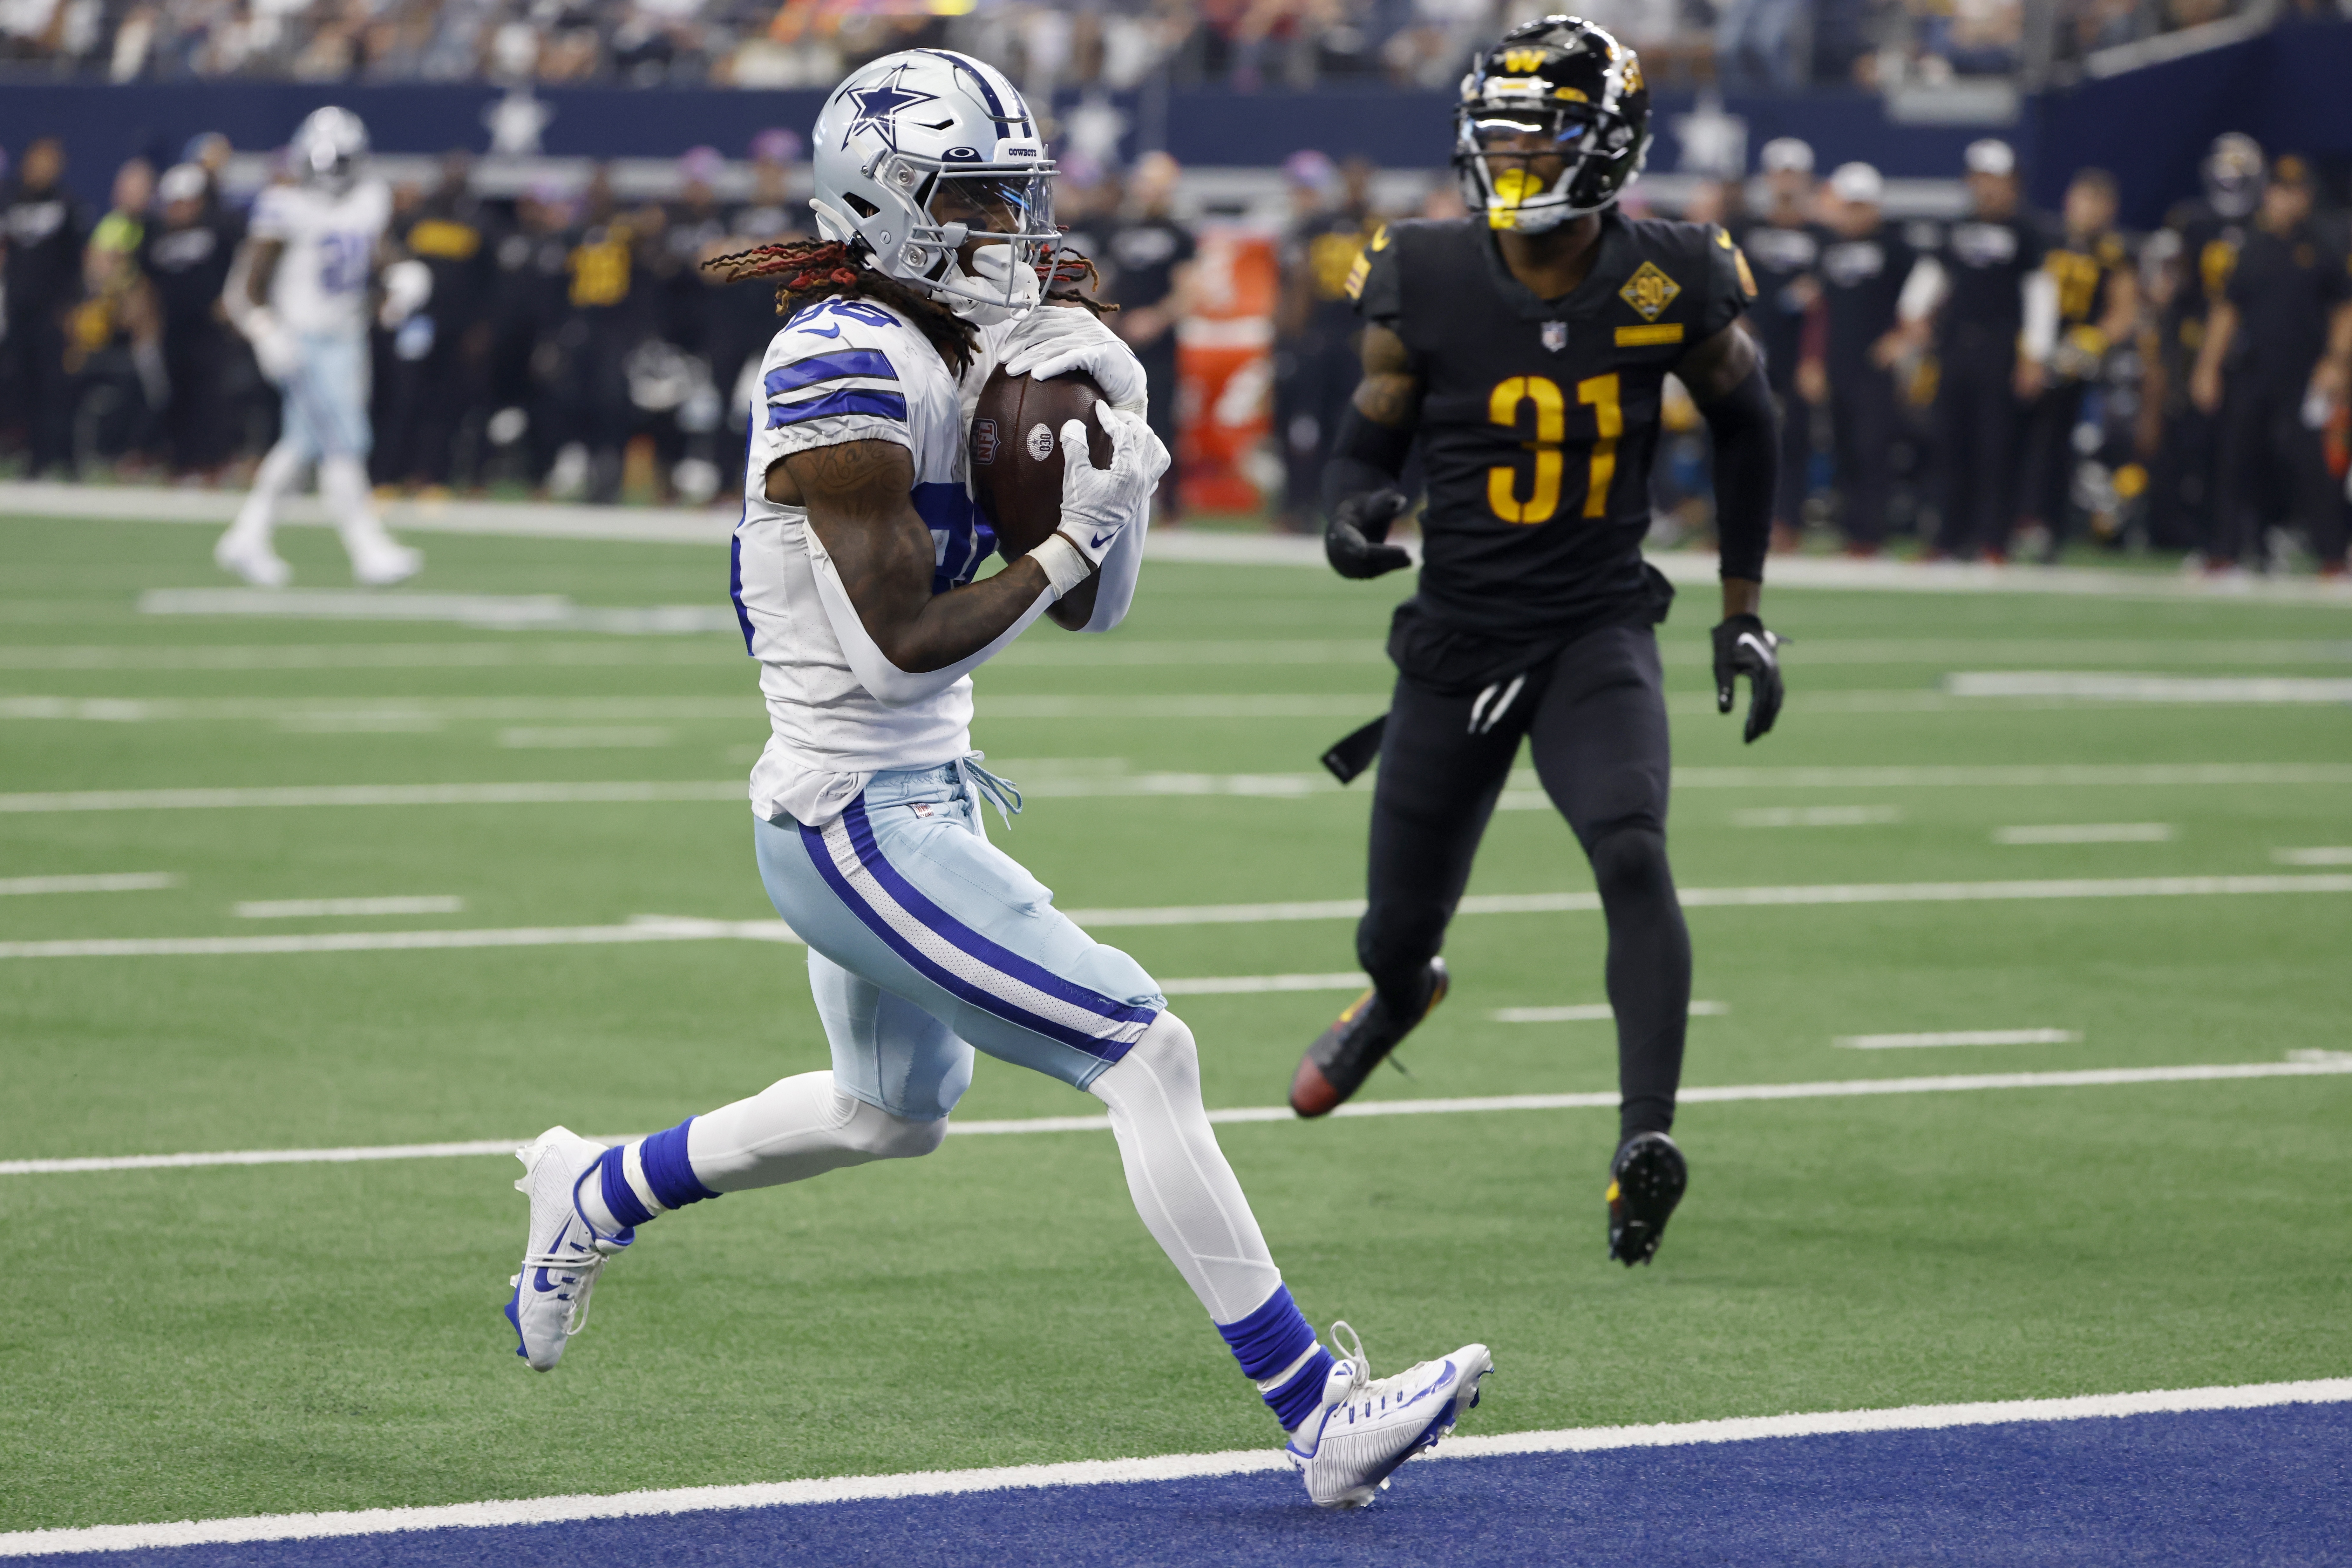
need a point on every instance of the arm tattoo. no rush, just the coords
(860, 500)
(1390, 392)
(1717, 366)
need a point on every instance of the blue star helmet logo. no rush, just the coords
(878, 107)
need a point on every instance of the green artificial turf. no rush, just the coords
(227, 1340)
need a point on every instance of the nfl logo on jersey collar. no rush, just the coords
(1555, 336)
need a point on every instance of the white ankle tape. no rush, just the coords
(1269, 1385)
(1066, 565)
(633, 1166)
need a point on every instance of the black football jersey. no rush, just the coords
(1986, 261)
(1539, 418)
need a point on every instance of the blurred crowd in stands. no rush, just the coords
(1995, 386)
(1116, 44)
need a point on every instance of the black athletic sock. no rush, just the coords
(1649, 974)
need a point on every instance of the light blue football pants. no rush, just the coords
(925, 941)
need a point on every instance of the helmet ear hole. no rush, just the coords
(859, 205)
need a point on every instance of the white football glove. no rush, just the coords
(1054, 340)
(1096, 503)
(274, 348)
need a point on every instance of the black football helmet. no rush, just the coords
(2233, 175)
(1556, 89)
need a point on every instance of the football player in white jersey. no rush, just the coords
(299, 293)
(854, 567)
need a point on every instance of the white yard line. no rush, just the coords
(1261, 785)
(1588, 1013)
(670, 928)
(1162, 1468)
(2087, 833)
(2303, 1065)
(2091, 685)
(1960, 1038)
(1254, 984)
(104, 882)
(579, 737)
(515, 652)
(1817, 817)
(2324, 855)
(319, 909)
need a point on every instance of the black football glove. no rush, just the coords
(1356, 540)
(1742, 647)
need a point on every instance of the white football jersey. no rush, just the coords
(321, 285)
(846, 370)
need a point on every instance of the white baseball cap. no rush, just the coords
(1991, 157)
(181, 183)
(1857, 183)
(1786, 155)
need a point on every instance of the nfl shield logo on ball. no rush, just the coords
(984, 440)
(1555, 336)
(1040, 442)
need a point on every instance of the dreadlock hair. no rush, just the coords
(808, 270)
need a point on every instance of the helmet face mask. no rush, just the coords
(326, 148)
(928, 159)
(1552, 123)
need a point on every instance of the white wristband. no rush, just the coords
(1066, 565)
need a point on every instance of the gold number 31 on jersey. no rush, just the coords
(1601, 392)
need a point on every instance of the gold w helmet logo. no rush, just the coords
(1523, 62)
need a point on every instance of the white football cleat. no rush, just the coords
(1366, 1429)
(251, 558)
(385, 561)
(564, 1253)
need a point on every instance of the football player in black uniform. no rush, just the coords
(1524, 349)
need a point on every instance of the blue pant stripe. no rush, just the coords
(1004, 959)
(955, 985)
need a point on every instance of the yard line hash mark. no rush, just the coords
(1161, 1467)
(2086, 833)
(1588, 1013)
(319, 909)
(2322, 855)
(2324, 1065)
(104, 882)
(1817, 817)
(1960, 1038)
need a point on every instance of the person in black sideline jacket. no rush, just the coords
(1784, 248)
(185, 257)
(1850, 358)
(1151, 265)
(43, 228)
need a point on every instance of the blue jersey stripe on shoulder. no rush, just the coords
(885, 405)
(808, 371)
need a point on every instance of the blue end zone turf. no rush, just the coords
(2270, 1485)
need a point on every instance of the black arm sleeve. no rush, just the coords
(1747, 466)
(1365, 456)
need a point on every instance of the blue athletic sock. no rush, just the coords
(1276, 1340)
(662, 1163)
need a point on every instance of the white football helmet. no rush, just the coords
(326, 148)
(917, 153)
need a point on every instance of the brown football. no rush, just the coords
(1016, 453)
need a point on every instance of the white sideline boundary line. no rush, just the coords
(678, 928)
(1164, 1467)
(2302, 1065)
(710, 527)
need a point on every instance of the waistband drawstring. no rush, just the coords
(980, 785)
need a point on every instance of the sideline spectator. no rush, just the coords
(1153, 284)
(1315, 326)
(2204, 238)
(1851, 354)
(185, 258)
(1784, 248)
(2095, 280)
(2276, 359)
(1975, 283)
(43, 227)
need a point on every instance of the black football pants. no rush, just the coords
(1865, 421)
(1595, 720)
(1977, 431)
(2269, 455)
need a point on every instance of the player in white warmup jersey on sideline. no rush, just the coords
(854, 567)
(299, 293)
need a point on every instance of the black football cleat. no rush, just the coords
(1344, 1055)
(1645, 1181)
